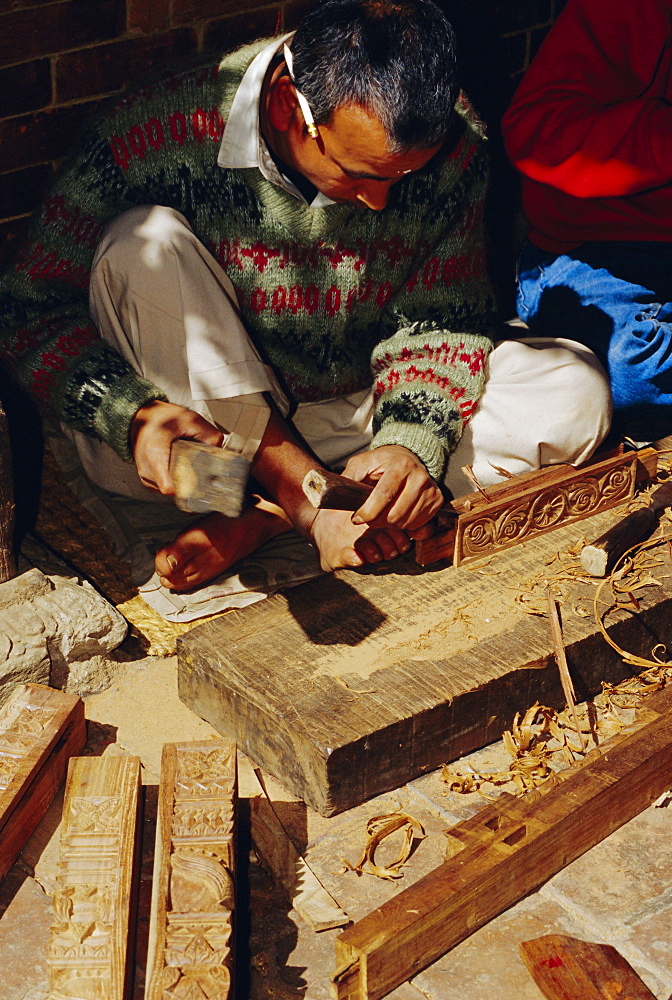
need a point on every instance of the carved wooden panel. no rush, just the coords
(91, 945)
(190, 938)
(510, 519)
(40, 729)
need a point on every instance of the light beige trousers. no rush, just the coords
(159, 297)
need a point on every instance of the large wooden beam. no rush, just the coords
(40, 729)
(355, 683)
(191, 936)
(90, 954)
(498, 856)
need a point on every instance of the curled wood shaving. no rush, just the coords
(377, 829)
(632, 572)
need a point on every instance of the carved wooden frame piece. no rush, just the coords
(532, 504)
(191, 932)
(40, 729)
(90, 953)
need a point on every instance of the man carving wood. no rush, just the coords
(291, 255)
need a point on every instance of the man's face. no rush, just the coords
(350, 161)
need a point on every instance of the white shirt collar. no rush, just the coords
(243, 145)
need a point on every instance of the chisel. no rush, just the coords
(601, 556)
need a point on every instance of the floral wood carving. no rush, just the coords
(88, 949)
(191, 955)
(40, 729)
(500, 524)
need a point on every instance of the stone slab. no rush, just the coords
(357, 682)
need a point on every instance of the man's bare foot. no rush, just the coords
(209, 546)
(341, 543)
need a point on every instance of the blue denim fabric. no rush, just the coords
(617, 299)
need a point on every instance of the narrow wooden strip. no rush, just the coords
(90, 954)
(190, 935)
(510, 849)
(40, 729)
(303, 890)
(565, 968)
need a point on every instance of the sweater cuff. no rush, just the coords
(117, 408)
(417, 439)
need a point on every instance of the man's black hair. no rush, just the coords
(394, 58)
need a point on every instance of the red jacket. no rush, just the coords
(590, 126)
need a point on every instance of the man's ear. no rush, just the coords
(282, 104)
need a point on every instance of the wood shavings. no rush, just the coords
(378, 828)
(631, 573)
(543, 741)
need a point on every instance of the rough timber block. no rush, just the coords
(91, 946)
(190, 936)
(40, 729)
(353, 684)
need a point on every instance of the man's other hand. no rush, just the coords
(405, 494)
(153, 430)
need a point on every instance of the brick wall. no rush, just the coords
(60, 60)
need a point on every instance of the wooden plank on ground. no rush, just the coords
(302, 888)
(40, 729)
(90, 955)
(355, 683)
(191, 935)
(565, 968)
(498, 856)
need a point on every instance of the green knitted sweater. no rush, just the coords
(335, 298)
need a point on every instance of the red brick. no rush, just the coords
(148, 15)
(24, 4)
(26, 87)
(231, 32)
(108, 68)
(523, 14)
(58, 27)
(50, 135)
(536, 38)
(21, 190)
(295, 10)
(188, 11)
(514, 51)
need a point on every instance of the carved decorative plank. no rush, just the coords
(534, 503)
(91, 946)
(190, 937)
(509, 521)
(502, 853)
(40, 729)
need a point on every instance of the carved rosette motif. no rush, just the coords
(197, 956)
(555, 506)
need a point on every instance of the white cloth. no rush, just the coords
(162, 300)
(242, 144)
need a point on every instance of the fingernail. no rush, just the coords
(172, 562)
(357, 520)
(393, 554)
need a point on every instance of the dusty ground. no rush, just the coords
(620, 892)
